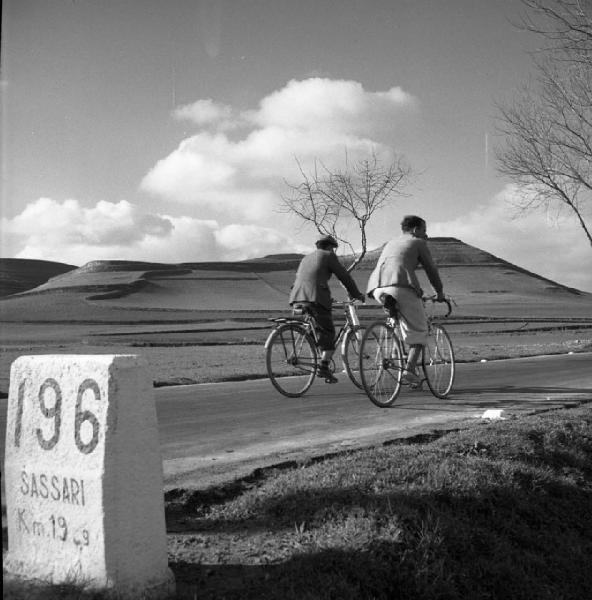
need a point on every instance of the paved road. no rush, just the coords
(214, 432)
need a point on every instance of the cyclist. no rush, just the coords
(394, 277)
(311, 290)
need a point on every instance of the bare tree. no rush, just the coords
(548, 127)
(566, 25)
(330, 200)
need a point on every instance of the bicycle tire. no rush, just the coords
(437, 361)
(350, 354)
(291, 359)
(381, 364)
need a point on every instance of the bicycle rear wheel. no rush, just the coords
(291, 359)
(438, 362)
(381, 364)
(350, 354)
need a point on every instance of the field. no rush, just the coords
(208, 321)
(225, 351)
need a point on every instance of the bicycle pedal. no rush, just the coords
(413, 385)
(331, 380)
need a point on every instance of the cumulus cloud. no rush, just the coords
(331, 105)
(105, 224)
(229, 174)
(205, 112)
(317, 118)
(198, 166)
(548, 244)
(260, 241)
(68, 232)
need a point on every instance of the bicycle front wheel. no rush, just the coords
(438, 362)
(381, 364)
(350, 354)
(291, 359)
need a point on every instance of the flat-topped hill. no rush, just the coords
(480, 283)
(447, 252)
(451, 251)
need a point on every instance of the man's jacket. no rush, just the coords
(312, 279)
(397, 263)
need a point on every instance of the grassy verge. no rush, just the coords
(498, 510)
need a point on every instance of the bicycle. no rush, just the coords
(293, 355)
(383, 357)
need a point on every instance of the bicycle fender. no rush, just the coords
(282, 321)
(357, 331)
(268, 339)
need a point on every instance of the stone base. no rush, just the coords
(16, 572)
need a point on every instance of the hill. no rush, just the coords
(480, 283)
(20, 274)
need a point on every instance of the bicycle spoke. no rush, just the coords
(350, 355)
(291, 360)
(298, 354)
(381, 364)
(438, 362)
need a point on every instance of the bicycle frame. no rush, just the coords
(349, 336)
(352, 322)
(307, 320)
(383, 357)
(395, 322)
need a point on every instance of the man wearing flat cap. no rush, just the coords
(311, 289)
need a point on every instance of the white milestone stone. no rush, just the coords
(83, 475)
(493, 413)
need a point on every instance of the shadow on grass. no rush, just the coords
(191, 502)
(499, 512)
(517, 542)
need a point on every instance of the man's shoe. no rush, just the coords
(325, 373)
(412, 380)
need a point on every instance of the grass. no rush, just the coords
(242, 356)
(497, 510)
(502, 510)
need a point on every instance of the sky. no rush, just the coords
(168, 131)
